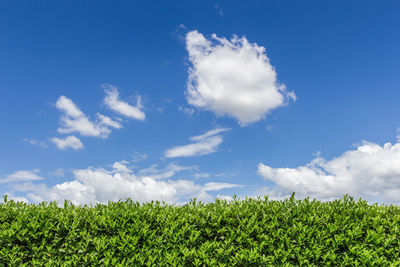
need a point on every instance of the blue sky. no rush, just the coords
(170, 100)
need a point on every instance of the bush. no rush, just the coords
(250, 232)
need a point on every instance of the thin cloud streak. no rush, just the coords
(203, 144)
(22, 176)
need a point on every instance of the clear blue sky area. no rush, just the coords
(303, 100)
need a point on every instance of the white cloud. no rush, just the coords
(66, 105)
(108, 121)
(67, 142)
(35, 142)
(100, 186)
(218, 186)
(120, 166)
(201, 175)
(74, 120)
(232, 77)
(21, 176)
(169, 171)
(370, 171)
(112, 101)
(209, 134)
(204, 144)
(205, 147)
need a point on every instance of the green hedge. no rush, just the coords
(251, 232)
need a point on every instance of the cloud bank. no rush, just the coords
(203, 144)
(370, 171)
(100, 185)
(233, 78)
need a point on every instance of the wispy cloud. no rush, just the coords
(232, 77)
(35, 142)
(187, 111)
(113, 102)
(136, 157)
(219, 10)
(60, 172)
(201, 175)
(219, 186)
(68, 142)
(105, 120)
(22, 176)
(154, 172)
(203, 144)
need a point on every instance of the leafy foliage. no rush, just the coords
(251, 232)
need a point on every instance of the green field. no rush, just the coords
(251, 232)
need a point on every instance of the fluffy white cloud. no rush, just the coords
(100, 186)
(66, 105)
(74, 120)
(370, 171)
(21, 176)
(67, 142)
(203, 144)
(232, 77)
(112, 101)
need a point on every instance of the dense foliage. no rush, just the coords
(251, 232)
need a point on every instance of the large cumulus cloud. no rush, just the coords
(232, 77)
(370, 171)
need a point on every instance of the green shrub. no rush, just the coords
(250, 232)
